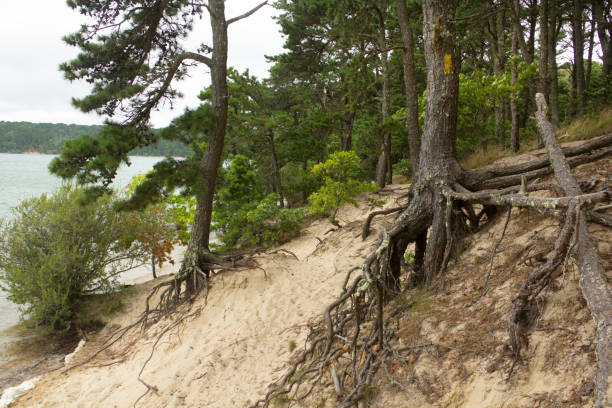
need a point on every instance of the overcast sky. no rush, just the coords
(33, 89)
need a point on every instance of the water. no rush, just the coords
(26, 176)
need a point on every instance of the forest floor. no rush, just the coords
(226, 353)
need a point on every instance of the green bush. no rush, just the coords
(243, 213)
(404, 167)
(54, 251)
(341, 174)
(268, 224)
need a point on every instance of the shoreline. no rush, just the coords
(25, 354)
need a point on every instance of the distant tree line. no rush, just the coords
(21, 137)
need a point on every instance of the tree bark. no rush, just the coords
(552, 64)
(604, 33)
(197, 252)
(514, 133)
(498, 49)
(587, 78)
(412, 100)
(578, 45)
(438, 150)
(527, 49)
(543, 75)
(383, 169)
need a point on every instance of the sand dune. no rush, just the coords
(228, 354)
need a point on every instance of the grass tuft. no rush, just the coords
(587, 127)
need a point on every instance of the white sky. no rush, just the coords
(33, 89)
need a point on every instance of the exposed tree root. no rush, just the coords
(355, 340)
(366, 225)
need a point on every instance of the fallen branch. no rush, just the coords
(593, 282)
(474, 178)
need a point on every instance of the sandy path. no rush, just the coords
(228, 354)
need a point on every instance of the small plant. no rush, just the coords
(268, 224)
(341, 174)
(376, 203)
(292, 345)
(368, 394)
(409, 258)
(281, 401)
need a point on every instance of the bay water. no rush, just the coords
(25, 176)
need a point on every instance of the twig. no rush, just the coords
(486, 283)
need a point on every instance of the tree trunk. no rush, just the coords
(514, 133)
(527, 52)
(383, 169)
(346, 138)
(587, 81)
(578, 43)
(552, 64)
(197, 252)
(498, 49)
(153, 266)
(438, 167)
(438, 150)
(412, 100)
(543, 75)
(604, 33)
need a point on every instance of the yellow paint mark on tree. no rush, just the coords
(447, 64)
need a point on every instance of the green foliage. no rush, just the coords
(177, 211)
(155, 229)
(244, 213)
(341, 174)
(239, 194)
(53, 251)
(132, 56)
(478, 92)
(409, 258)
(268, 224)
(376, 203)
(404, 167)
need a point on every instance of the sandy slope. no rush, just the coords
(228, 354)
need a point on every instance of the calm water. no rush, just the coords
(25, 176)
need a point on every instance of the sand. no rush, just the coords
(228, 353)
(237, 344)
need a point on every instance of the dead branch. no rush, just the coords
(474, 178)
(598, 218)
(494, 252)
(515, 179)
(593, 281)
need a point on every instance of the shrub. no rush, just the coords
(268, 224)
(242, 212)
(404, 167)
(54, 251)
(161, 225)
(340, 174)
